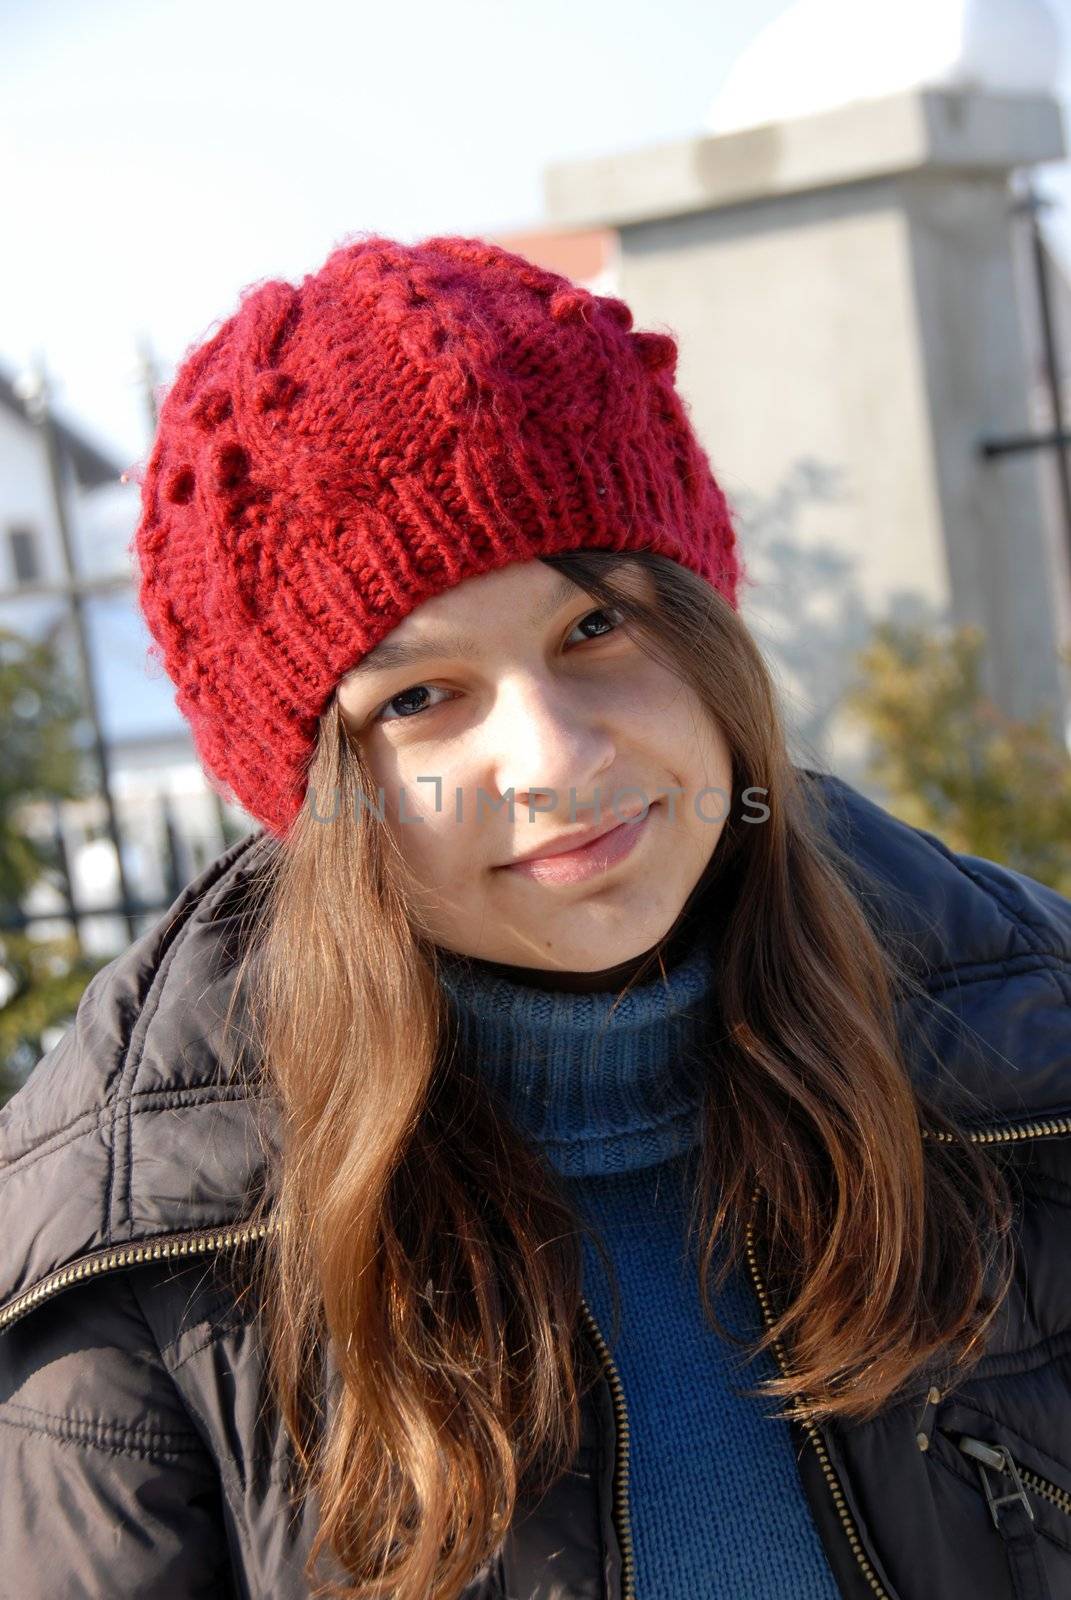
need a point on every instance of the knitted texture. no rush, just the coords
(339, 451)
(611, 1095)
(715, 1498)
(601, 1082)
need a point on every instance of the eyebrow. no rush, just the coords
(390, 653)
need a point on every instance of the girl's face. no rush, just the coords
(516, 681)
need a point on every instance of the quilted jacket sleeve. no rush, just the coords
(106, 1487)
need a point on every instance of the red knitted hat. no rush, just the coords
(405, 418)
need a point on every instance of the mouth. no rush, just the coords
(568, 843)
(605, 851)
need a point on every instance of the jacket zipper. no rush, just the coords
(1020, 1538)
(192, 1243)
(999, 1459)
(1006, 1134)
(620, 1506)
(174, 1246)
(810, 1428)
(197, 1242)
(178, 1245)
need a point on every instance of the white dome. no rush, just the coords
(824, 53)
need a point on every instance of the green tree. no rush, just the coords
(41, 980)
(952, 762)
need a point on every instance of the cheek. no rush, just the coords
(435, 846)
(674, 723)
(698, 753)
(433, 853)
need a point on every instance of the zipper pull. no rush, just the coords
(1021, 1542)
(997, 1459)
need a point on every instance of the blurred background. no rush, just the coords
(855, 218)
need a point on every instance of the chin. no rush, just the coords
(599, 953)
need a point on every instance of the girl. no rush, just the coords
(566, 1150)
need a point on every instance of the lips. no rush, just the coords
(564, 843)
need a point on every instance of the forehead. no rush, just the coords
(532, 587)
(525, 593)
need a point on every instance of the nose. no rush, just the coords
(544, 736)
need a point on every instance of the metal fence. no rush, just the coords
(75, 589)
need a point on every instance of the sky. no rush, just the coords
(157, 158)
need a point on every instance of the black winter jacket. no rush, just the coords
(135, 1456)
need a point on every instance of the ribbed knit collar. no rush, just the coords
(602, 1088)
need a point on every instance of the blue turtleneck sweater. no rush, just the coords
(612, 1097)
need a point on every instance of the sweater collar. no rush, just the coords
(603, 1082)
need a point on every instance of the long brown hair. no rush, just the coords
(426, 1256)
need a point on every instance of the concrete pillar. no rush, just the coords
(845, 294)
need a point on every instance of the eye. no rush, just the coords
(406, 694)
(418, 689)
(605, 612)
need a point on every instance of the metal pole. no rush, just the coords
(38, 410)
(1032, 203)
(60, 845)
(1013, 444)
(172, 869)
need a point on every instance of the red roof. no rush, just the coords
(577, 255)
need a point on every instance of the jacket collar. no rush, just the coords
(129, 1129)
